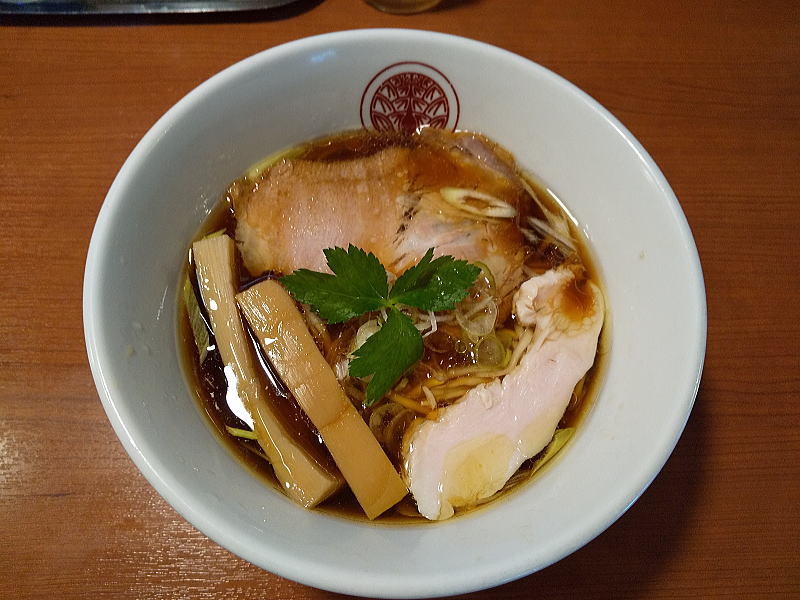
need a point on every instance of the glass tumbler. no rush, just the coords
(403, 7)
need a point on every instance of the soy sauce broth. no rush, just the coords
(209, 385)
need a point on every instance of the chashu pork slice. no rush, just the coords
(299, 207)
(476, 444)
(388, 203)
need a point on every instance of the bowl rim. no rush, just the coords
(322, 578)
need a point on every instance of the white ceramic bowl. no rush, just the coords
(324, 84)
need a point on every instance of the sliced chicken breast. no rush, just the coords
(476, 444)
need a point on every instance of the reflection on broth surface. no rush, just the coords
(502, 376)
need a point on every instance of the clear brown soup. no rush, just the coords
(208, 382)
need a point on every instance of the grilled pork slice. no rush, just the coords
(476, 444)
(390, 203)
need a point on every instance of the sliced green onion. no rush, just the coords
(491, 351)
(241, 433)
(477, 313)
(381, 417)
(273, 159)
(364, 332)
(487, 274)
(560, 438)
(477, 319)
(214, 234)
(478, 203)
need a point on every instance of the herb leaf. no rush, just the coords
(362, 271)
(434, 284)
(357, 286)
(387, 354)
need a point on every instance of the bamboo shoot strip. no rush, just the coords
(280, 328)
(301, 476)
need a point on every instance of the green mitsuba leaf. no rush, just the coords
(387, 354)
(434, 285)
(359, 285)
(361, 270)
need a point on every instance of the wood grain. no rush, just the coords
(712, 90)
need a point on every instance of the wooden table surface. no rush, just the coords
(712, 90)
